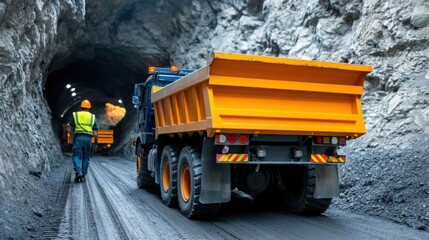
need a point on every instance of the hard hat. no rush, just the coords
(85, 104)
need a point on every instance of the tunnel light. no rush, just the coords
(73, 94)
(120, 101)
(62, 115)
(73, 89)
(68, 86)
(173, 68)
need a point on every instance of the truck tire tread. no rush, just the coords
(195, 209)
(306, 204)
(170, 198)
(145, 179)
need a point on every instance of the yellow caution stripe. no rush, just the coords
(232, 158)
(339, 159)
(323, 158)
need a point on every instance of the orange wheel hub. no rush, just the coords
(166, 176)
(138, 164)
(185, 183)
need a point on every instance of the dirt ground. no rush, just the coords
(37, 210)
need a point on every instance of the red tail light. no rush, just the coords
(243, 139)
(330, 140)
(232, 138)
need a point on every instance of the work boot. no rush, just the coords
(82, 179)
(78, 178)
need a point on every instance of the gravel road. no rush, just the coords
(110, 206)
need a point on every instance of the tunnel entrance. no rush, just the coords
(106, 80)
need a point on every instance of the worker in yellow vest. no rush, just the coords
(85, 126)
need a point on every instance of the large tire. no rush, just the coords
(189, 185)
(298, 197)
(144, 177)
(168, 176)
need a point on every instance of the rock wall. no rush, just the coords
(28, 41)
(387, 172)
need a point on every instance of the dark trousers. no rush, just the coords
(81, 153)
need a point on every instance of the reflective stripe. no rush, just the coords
(84, 121)
(232, 158)
(319, 158)
(92, 120)
(323, 158)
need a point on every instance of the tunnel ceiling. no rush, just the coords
(111, 53)
(107, 77)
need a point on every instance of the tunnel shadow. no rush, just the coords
(105, 76)
(243, 205)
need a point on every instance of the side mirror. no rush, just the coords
(136, 101)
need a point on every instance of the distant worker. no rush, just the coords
(85, 126)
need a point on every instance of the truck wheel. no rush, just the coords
(189, 185)
(144, 177)
(168, 175)
(300, 182)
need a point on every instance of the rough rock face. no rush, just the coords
(387, 173)
(28, 42)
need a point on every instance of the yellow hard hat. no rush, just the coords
(85, 104)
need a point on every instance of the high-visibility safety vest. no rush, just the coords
(84, 121)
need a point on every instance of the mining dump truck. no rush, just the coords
(266, 126)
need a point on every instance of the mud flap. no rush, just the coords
(216, 178)
(327, 185)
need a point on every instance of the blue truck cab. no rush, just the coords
(142, 100)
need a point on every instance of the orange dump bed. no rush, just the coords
(104, 137)
(238, 93)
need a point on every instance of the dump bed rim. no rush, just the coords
(288, 61)
(191, 79)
